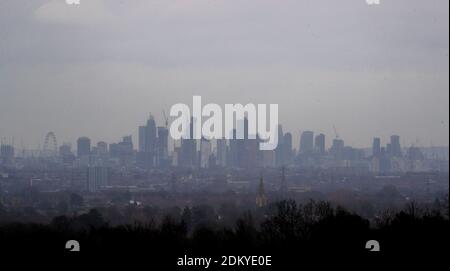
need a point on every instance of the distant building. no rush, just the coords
(415, 154)
(142, 138)
(395, 147)
(337, 149)
(188, 157)
(83, 146)
(123, 150)
(6, 153)
(65, 149)
(97, 178)
(65, 152)
(102, 148)
(147, 146)
(319, 144)
(279, 150)
(287, 148)
(307, 142)
(376, 147)
(283, 151)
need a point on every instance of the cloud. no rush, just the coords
(386, 64)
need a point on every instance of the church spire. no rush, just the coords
(261, 199)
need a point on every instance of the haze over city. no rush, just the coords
(224, 134)
(98, 69)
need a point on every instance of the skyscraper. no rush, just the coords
(142, 141)
(188, 155)
(337, 149)
(279, 155)
(396, 149)
(83, 146)
(150, 136)
(287, 148)
(376, 146)
(319, 143)
(307, 142)
(147, 144)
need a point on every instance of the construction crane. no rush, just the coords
(165, 118)
(335, 132)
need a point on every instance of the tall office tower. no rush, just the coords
(188, 155)
(384, 161)
(205, 152)
(221, 152)
(162, 147)
(147, 144)
(83, 146)
(337, 149)
(388, 149)
(279, 155)
(319, 144)
(396, 149)
(150, 136)
(376, 147)
(102, 148)
(97, 178)
(307, 142)
(287, 148)
(142, 141)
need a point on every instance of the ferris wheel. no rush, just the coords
(50, 145)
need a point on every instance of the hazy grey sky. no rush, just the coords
(99, 68)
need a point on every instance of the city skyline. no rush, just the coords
(135, 135)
